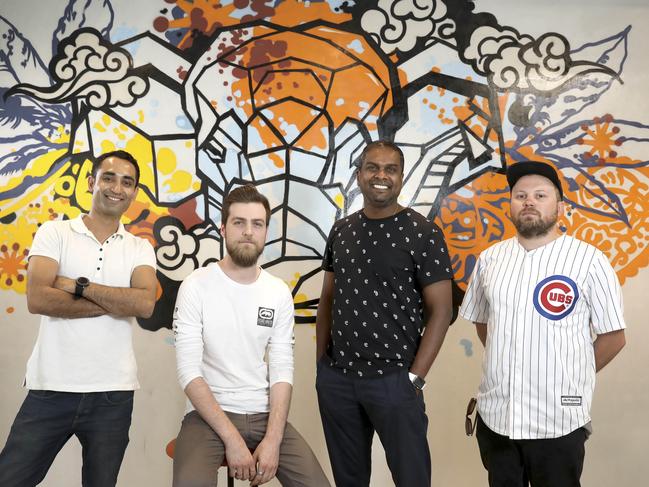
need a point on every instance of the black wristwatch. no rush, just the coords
(417, 381)
(80, 284)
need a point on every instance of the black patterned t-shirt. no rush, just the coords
(380, 267)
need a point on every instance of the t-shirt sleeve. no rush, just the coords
(475, 306)
(433, 262)
(605, 293)
(280, 349)
(145, 254)
(47, 242)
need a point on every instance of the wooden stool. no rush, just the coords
(171, 447)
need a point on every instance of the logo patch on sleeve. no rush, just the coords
(265, 317)
(571, 400)
(555, 297)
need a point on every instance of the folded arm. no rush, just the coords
(137, 300)
(44, 298)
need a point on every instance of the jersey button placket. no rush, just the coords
(519, 345)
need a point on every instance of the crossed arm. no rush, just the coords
(53, 295)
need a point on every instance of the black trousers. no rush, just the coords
(555, 462)
(352, 408)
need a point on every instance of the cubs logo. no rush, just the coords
(555, 297)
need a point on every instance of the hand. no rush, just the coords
(241, 465)
(266, 457)
(65, 284)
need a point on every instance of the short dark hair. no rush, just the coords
(120, 154)
(244, 194)
(386, 144)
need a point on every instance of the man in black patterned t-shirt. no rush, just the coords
(384, 311)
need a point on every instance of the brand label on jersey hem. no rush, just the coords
(571, 400)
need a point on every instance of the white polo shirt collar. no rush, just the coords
(79, 226)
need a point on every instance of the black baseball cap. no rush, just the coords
(525, 168)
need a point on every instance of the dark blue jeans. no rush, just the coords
(352, 408)
(47, 420)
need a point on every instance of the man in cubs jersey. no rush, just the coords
(537, 300)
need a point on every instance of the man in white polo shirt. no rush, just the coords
(228, 317)
(537, 300)
(88, 278)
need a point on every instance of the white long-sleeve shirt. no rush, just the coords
(223, 330)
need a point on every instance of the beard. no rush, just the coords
(244, 255)
(537, 227)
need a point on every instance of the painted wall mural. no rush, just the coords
(285, 94)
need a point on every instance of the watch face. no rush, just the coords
(83, 281)
(419, 383)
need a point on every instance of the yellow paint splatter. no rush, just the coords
(340, 200)
(178, 183)
(107, 146)
(166, 160)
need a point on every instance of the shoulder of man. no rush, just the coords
(346, 220)
(496, 247)
(50, 231)
(421, 221)
(275, 283)
(580, 247)
(135, 238)
(201, 274)
(55, 225)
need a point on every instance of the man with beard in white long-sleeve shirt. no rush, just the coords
(228, 316)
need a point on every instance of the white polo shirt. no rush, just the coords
(541, 308)
(87, 354)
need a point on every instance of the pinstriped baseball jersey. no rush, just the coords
(541, 307)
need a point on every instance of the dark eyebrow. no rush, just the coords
(111, 173)
(389, 164)
(243, 219)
